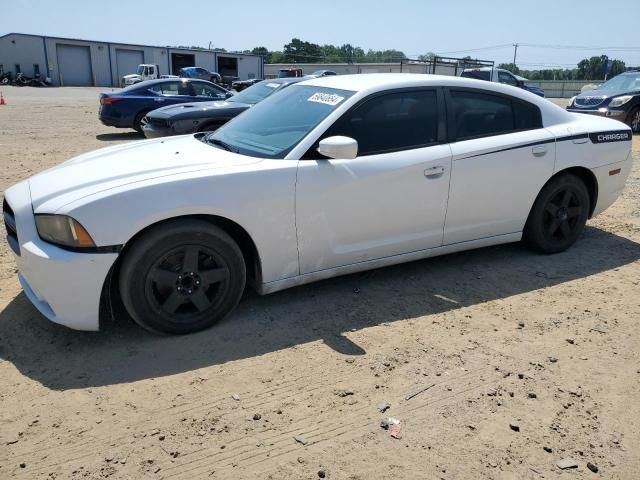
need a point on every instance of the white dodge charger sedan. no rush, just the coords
(331, 176)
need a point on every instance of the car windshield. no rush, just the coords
(256, 93)
(140, 70)
(273, 127)
(622, 82)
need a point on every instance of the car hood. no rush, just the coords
(131, 76)
(197, 110)
(114, 167)
(604, 93)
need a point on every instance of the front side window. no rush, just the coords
(152, 70)
(504, 77)
(396, 121)
(211, 91)
(273, 127)
(478, 115)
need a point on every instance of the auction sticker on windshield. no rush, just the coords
(326, 98)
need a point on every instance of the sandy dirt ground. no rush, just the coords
(289, 387)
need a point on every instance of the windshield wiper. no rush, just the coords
(220, 143)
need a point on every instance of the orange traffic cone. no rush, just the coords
(2, 102)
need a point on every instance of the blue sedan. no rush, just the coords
(127, 108)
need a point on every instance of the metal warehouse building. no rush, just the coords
(69, 61)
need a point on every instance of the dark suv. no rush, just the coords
(618, 98)
(201, 73)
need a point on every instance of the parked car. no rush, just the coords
(127, 108)
(201, 73)
(500, 75)
(207, 116)
(290, 72)
(143, 72)
(618, 98)
(322, 73)
(331, 176)
(239, 85)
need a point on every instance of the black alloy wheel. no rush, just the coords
(559, 215)
(181, 276)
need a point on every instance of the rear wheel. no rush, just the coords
(558, 216)
(634, 120)
(181, 277)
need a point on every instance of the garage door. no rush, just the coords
(127, 61)
(74, 65)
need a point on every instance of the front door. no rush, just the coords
(388, 201)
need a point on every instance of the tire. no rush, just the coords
(634, 120)
(137, 122)
(558, 215)
(181, 277)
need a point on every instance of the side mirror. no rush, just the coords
(339, 148)
(228, 95)
(520, 83)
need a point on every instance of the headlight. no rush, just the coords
(619, 101)
(63, 231)
(573, 99)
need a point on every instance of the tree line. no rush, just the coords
(300, 51)
(587, 69)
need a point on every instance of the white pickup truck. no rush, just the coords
(500, 75)
(143, 72)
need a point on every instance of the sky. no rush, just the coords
(551, 33)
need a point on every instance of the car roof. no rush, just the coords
(284, 80)
(365, 84)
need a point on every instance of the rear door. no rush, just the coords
(501, 158)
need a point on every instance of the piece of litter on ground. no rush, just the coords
(567, 463)
(300, 440)
(598, 329)
(394, 428)
(418, 392)
(383, 407)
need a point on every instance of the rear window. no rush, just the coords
(477, 74)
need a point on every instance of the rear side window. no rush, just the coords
(478, 115)
(172, 88)
(477, 74)
(397, 121)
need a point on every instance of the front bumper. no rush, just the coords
(601, 112)
(64, 286)
(155, 131)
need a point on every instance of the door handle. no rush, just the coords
(539, 150)
(434, 171)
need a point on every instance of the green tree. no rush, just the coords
(512, 67)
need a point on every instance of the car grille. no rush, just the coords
(589, 101)
(10, 226)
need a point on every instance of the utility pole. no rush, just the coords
(515, 52)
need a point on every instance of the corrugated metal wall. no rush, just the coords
(27, 50)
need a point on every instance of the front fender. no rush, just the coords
(258, 197)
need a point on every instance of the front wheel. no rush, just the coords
(181, 277)
(558, 216)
